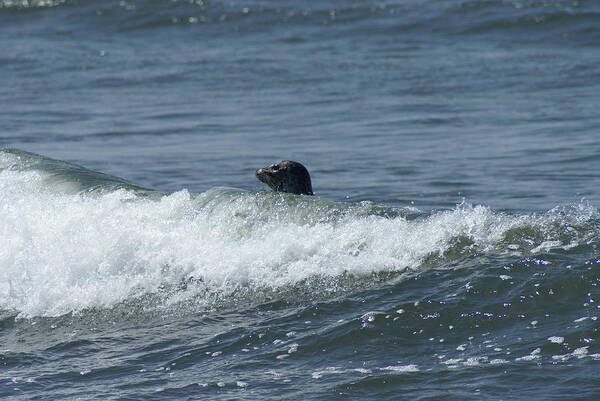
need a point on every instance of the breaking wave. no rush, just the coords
(73, 239)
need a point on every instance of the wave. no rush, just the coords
(458, 17)
(74, 239)
(23, 4)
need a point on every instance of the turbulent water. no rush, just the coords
(452, 250)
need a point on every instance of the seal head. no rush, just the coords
(286, 176)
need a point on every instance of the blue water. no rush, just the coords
(451, 251)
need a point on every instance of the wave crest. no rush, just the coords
(67, 250)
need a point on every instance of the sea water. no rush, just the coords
(450, 252)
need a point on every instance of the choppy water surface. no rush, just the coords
(451, 251)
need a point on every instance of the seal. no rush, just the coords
(286, 176)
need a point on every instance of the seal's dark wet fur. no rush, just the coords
(286, 176)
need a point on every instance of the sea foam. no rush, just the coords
(64, 250)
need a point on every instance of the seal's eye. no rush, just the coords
(274, 167)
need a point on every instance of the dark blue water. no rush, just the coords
(451, 252)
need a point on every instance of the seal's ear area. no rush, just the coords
(300, 178)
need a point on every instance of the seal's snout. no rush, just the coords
(260, 173)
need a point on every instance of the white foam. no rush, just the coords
(535, 354)
(402, 368)
(546, 246)
(556, 339)
(63, 252)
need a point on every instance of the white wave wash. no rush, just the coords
(64, 252)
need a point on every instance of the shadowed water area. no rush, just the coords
(451, 250)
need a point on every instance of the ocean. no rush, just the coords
(451, 250)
